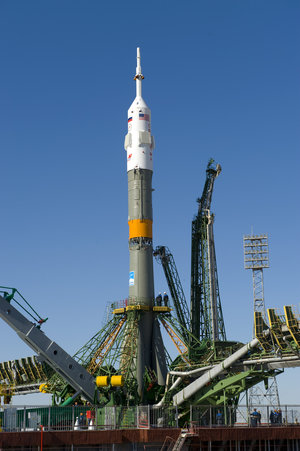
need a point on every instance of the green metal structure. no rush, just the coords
(206, 311)
(164, 256)
(208, 370)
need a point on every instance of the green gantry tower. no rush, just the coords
(206, 311)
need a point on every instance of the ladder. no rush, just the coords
(170, 444)
(181, 440)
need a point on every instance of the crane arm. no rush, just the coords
(51, 352)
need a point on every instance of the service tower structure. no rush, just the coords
(143, 328)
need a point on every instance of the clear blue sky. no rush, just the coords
(222, 81)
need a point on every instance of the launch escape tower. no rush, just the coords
(256, 258)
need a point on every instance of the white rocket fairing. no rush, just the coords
(139, 143)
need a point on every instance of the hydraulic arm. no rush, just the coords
(77, 376)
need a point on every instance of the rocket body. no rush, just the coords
(139, 145)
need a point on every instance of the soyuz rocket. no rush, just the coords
(139, 145)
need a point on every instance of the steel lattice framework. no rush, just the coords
(256, 258)
(207, 369)
(164, 256)
(206, 311)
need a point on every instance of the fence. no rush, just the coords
(257, 416)
(15, 418)
(18, 419)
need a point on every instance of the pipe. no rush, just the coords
(190, 373)
(272, 360)
(181, 374)
(199, 383)
(69, 400)
(162, 401)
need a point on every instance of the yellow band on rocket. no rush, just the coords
(140, 228)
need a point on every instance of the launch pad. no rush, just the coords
(126, 363)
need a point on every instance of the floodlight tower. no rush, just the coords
(256, 257)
